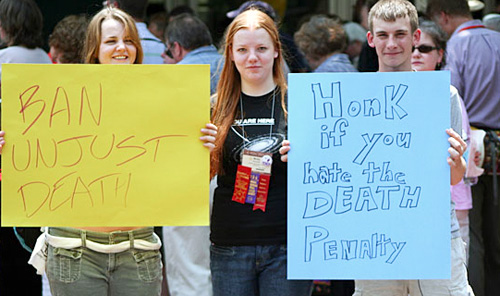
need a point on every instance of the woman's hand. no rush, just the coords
(209, 135)
(455, 160)
(2, 141)
(477, 159)
(285, 147)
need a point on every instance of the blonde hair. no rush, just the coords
(94, 34)
(390, 10)
(229, 86)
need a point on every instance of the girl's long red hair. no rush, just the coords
(229, 86)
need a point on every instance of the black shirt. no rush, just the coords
(236, 224)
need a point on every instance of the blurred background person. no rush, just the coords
(67, 38)
(360, 13)
(180, 9)
(474, 64)
(21, 25)
(152, 46)
(323, 40)
(157, 24)
(21, 31)
(177, 10)
(429, 54)
(368, 58)
(492, 21)
(188, 41)
(356, 37)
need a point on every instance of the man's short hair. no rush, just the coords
(189, 31)
(390, 10)
(320, 37)
(68, 37)
(136, 8)
(449, 7)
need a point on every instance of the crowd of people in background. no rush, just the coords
(243, 251)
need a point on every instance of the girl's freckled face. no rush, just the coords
(253, 53)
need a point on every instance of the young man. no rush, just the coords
(393, 32)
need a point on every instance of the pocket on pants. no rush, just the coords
(149, 266)
(64, 265)
(221, 250)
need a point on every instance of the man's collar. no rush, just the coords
(466, 24)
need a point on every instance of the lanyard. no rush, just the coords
(471, 27)
(251, 185)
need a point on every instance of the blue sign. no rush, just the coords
(368, 180)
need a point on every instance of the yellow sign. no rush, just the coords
(105, 145)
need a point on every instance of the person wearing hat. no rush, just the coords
(475, 5)
(295, 60)
(474, 63)
(492, 21)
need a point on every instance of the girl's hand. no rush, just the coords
(2, 141)
(285, 147)
(209, 135)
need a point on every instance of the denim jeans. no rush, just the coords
(82, 272)
(253, 270)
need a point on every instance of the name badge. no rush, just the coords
(260, 162)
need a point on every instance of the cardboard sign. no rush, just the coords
(104, 145)
(368, 180)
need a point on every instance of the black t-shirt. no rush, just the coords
(236, 224)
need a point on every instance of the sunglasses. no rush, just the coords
(424, 48)
(169, 53)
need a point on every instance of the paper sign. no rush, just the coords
(104, 145)
(368, 180)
